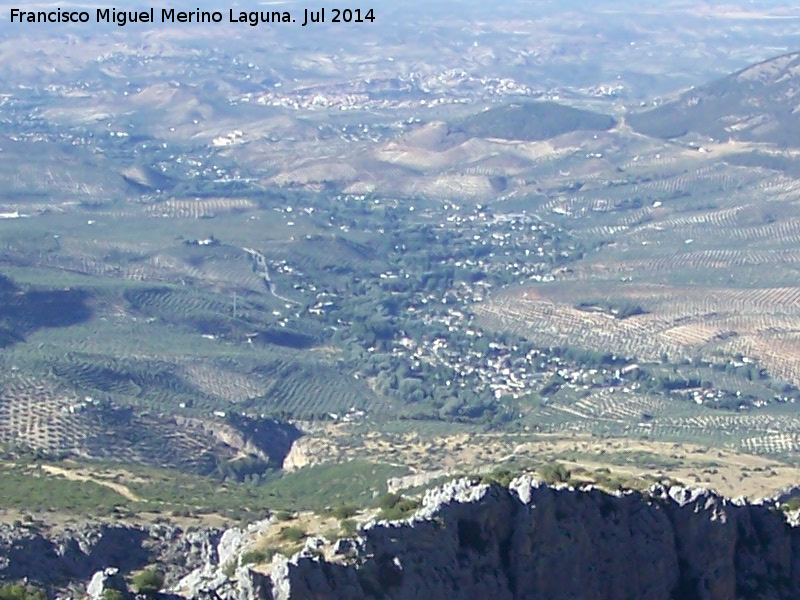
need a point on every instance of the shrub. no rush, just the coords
(349, 527)
(255, 557)
(389, 500)
(345, 511)
(555, 473)
(229, 569)
(395, 506)
(18, 591)
(501, 477)
(293, 534)
(112, 594)
(792, 504)
(148, 582)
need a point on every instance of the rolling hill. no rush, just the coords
(531, 121)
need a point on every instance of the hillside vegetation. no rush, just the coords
(530, 121)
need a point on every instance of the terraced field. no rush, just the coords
(137, 350)
(210, 305)
(707, 249)
(679, 322)
(60, 421)
(460, 255)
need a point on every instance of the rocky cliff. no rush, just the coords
(75, 554)
(533, 541)
(467, 541)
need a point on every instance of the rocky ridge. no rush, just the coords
(466, 541)
(535, 541)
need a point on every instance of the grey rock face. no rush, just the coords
(344, 547)
(72, 555)
(209, 578)
(96, 551)
(467, 541)
(194, 562)
(539, 543)
(107, 579)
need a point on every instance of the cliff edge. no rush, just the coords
(532, 541)
(467, 541)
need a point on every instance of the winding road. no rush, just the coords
(261, 262)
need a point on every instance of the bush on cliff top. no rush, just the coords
(148, 582)
(18, 591)
(395, 507)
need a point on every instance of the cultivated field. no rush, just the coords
(435, 257)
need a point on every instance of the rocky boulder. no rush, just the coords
(107, 579)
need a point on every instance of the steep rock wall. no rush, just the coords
(536, 542)
(467, 541)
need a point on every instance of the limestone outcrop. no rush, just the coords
(533, 541)
(467, 540)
